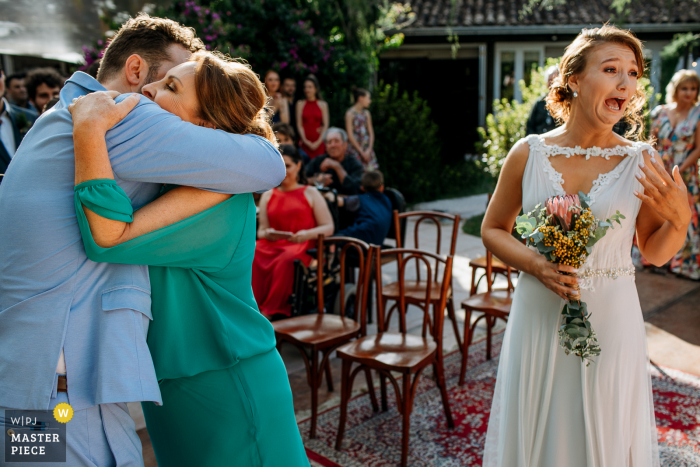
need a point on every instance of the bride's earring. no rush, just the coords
(575, 93)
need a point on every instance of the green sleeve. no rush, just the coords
(203, 241)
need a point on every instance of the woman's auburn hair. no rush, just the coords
(681, 77)
(231, 96)
(574, 62)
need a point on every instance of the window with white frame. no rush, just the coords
(514, 62)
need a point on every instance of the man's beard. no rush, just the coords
(150, 77)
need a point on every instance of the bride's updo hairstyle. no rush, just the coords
(231, 96)
(574, 62)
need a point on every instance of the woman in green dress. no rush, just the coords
(226, 395)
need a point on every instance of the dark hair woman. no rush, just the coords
(279, 107)
(312, 118)
(548, 406)
(291, 217)
(213, 352)
(358, 124)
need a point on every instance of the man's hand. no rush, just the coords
(330, 164)
(98, 111)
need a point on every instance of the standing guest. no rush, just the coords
(43, 84)
(372, 209)
(540, 120)
(17, 91)
(289, 90)
(278, 102)
(14, 124)
(301, 212)
(336, 169)
(358, 123)
(312, 118)
(677, 129)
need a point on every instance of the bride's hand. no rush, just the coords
(98, 111)
(665, 195)
(551, 276)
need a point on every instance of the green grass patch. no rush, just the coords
(472, 226)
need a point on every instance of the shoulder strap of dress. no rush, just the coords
(534, 141)
(694, 116)
(642, 146)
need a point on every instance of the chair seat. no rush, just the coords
(497, 300)
(326, 329)
(415, 290)
(390, 351)
(496, 265)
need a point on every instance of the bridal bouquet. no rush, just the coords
(564, 231)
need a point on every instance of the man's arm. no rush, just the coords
(354, 171)
(152, 145)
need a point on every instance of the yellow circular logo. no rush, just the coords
(63, 413)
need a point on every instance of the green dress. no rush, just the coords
(226, 394)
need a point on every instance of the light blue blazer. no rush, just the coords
(51, 295)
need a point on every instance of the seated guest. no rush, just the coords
(291, 217)
(43, 84)
(540, 120)
(336, 169)
(373, 209)
(279, 111)
(285, 135)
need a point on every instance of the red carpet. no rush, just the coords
(374, 439)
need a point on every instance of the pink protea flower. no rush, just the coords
(561, 206)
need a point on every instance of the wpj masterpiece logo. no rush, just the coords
(35, 435)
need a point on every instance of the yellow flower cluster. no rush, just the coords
(569, 249)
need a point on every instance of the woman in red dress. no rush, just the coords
(312, 118)
(291, 217)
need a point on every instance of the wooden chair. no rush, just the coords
(493, 304)
(497, 267)
(400, 352)
(318, 335)
(415, 290)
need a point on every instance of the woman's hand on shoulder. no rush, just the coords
(98, 111)
(666, 195)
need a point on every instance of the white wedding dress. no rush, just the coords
(549, 409)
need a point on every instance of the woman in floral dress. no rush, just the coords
(675, 126)
(358, 124)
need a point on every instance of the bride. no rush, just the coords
(549, 409)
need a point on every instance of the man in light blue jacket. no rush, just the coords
(72, 330)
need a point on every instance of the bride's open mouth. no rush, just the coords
(615, 103)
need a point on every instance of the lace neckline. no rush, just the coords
(603, 179)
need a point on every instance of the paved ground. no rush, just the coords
(669, 304)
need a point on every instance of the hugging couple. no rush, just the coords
(120, 214)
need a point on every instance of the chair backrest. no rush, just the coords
(427, 258)
(332, 249)
(434, 218)
(398, 204)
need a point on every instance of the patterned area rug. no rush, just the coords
(374, 439)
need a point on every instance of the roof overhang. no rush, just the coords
(543, 29)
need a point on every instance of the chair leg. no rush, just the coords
(382, 389)
(488, 337)
(440, 379)
(329, 376)
(345, 392)
(370, 389)
(472, 290)
(315, 380)
(466, 344)
(453, 317)
(407, 402)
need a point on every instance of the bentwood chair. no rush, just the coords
(493, 304)
(415, 289)
(318, 335)
(400, 352)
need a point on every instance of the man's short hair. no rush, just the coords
(335, 129)
(13, 76)
(149, 38)
(284, 129)
(39, 76)
(372, 181)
